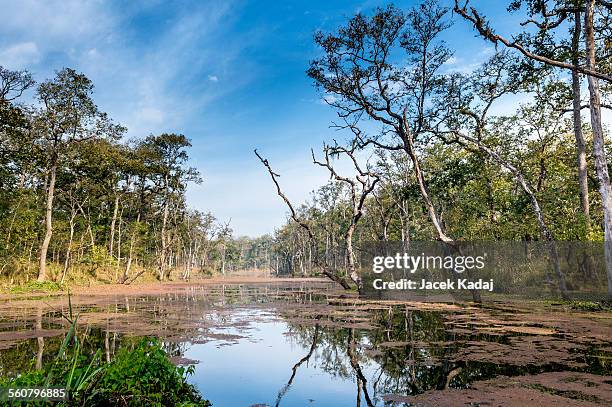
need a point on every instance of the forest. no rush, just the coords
(431, 156)
(80, 202)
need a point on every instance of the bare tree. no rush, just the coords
(364, 74)
(325, 269)
(386, 68)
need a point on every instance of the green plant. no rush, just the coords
(138, 376)
(588, 306)
(145, 377)
(47, 286)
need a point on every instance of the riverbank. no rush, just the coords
(145, 286)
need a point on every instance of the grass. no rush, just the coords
(138, 376)
(36, 286)
(590, 305)
(23, 280)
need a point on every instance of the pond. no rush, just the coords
(308, 344)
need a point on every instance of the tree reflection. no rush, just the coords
(295, 368)
(407, 352)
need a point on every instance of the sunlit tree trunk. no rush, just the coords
(599, 150)
(128, 263)
(44, 247)
(164, 238)
(112, 227)
(69, 248)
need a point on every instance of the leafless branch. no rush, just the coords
(484, 29)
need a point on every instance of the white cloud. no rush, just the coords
(55, 21)
(150, 116)
(213, 78)
(451, 61)
(20, 55)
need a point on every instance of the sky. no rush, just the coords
(229, 74)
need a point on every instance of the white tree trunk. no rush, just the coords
(599, 149)
(44, 247)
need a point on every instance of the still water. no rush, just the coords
(310, 345)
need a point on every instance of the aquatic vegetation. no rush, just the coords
(143, 376)
(140, 375)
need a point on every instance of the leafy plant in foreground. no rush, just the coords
(139, 376)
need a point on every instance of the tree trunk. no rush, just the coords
(69, 249)
(164, 243)
(350, 257)
(44, 247)
(433, 216)
(580, 144)
(599, 149)
(223, 260)
(112, 227)
(431, 210)
(128, 263)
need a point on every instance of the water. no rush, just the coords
(309, 345)
(257, 369)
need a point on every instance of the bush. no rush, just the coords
(146, 377)
(138, 376)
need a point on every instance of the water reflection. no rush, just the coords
(300, 344)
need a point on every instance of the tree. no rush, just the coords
(13, 84)
(325, 268)
(68, 115)
(561, 9)
(359, 189)
(363, 69)
(171, 176)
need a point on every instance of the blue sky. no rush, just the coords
(230, 75)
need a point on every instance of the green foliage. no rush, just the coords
(589, 306)
(138, 376)
(97, 257)
(142, 376)
(146, 377)
(34, 286)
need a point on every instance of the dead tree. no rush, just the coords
(359, 71)
(325, 269)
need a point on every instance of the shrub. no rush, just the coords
(138, 376)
